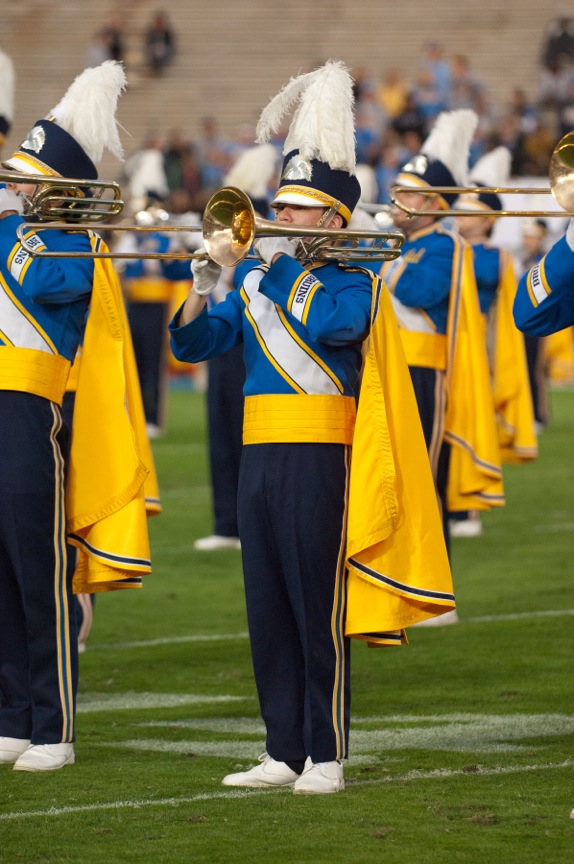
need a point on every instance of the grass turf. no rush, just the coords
(461, 743)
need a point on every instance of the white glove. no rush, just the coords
(10, 201)
(206, 275)
(267, 247)
(570, 235)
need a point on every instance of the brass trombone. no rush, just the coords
(561, 177)
(229, 229)
(67, 199)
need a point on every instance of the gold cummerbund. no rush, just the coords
(32, 371)
(148, 290)
(424, 349)
(299, 418)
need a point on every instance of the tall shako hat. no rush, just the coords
(7, 85)
(492, 170)
(319, 164)
(443, 158)
(71, 140)
(252, 172)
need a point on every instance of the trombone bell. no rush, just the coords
(228, 226)
(561, 172)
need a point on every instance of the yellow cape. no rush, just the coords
(398, 568)
(112, 485)
(510, 384)
(475, 469)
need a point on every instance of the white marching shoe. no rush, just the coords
(216, 541)
(320, 778)
(12, 748)
(450, 617)
(465, 527)
(267, 773)
(45, 757)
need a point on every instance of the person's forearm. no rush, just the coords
(192, 307)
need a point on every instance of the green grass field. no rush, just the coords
(461, 743)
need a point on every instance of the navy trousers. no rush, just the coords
(226, 377)
(38, 637)
(292, 521)
(148, 326)
(428, 385)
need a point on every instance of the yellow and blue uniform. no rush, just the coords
(544, 301)
(435, 299)
(47, 306)
(148, 285)
(44, 303)
(302, 331)
(496, 282)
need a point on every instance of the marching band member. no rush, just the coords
(148, 285)
(534, 245)
(544, 302)
(302, 325)
(252, 172)
(435, 298)
(496, 283)
(98, 504)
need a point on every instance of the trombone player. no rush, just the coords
(43, 310)
(302, 332)
(435, 298)
(544, 302)
(302, 329)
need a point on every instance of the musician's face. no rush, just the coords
(304, 217)
(24, 189)
(414, 201)
(473, 227)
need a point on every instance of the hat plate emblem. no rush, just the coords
(35, 139)
(297, 169)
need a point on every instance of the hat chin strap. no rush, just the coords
(308, 245)
(328, 214)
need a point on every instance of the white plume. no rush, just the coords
(7, 86)
(450, 139)
(87, 111)
(323, 124)
(272, 116)
(493, 169)
(253, 170)
(368, 183)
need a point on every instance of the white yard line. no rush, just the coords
(439, 773)
(221, 637)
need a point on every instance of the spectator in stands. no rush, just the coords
(392, 93)
(566, 109)
(159, 43)
(466, 89)
(427, 97)
(173, 158)
(99, 49)
(523, 109)
(559, 39)
(411, 122)
(433, 61)
(512, 136)
(113, 28)
(211, 151)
